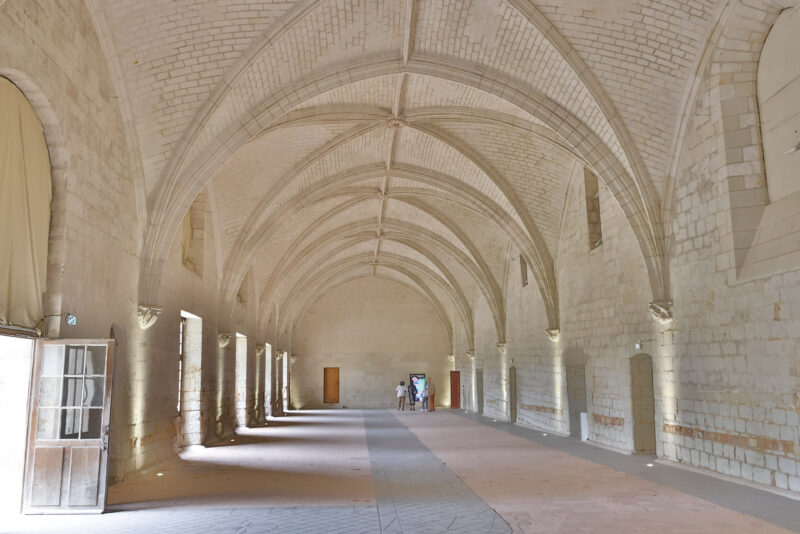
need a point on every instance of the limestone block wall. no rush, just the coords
(244, 323)
(737, 372)
(377, 332)
(725, 376)
(541, 381)
(604, 294)
(155, 426)
(490, 363)
(51, 51)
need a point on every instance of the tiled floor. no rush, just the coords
(547, 484)
(378, 471)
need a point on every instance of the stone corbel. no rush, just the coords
(223, 339)
(471, 354)
(292, 358)
(661, 310)
(554, 334)
(451, 357)
(260, 349)
(501, 348)
(148, 315)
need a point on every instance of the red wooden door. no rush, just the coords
(455, 390)
(331, 385)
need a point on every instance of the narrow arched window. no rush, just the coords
(25, 194)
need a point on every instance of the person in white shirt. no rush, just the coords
(401, 396)
(425, 393)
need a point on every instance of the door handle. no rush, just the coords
(106, 431)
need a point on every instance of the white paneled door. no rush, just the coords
(67, 457)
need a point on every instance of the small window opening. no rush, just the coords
(192, 235)
(241, 295)
(593, 209)
(523, 267)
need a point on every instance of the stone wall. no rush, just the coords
(726, 373)
(377, 332)
(737, 373)
(51, 51)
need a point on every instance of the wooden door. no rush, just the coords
(512, 393)
(643, 400)
(479, 390)
(67, 456)
(331, 391)
(455, 390)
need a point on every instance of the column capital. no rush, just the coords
(223, 339)
(147, 314)
(661, 310)
(554, 334)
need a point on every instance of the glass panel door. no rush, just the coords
(70, 410)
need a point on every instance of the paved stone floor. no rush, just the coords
(379, 471)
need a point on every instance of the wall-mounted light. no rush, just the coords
(71, 319)
(640, 343)
(791, 149)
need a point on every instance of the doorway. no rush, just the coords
(479, 390)
(331, 385)
(240, 386)
(16, 355)
(576, 396)
(455, 390)
(268, 389)
(67, 459)
(285, 382)
(512, 393)
(643, 401)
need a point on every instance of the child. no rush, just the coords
(401, 396)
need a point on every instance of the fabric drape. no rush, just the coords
(25, 194)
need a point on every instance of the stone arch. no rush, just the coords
(532, 243)
(410, 269)
(338, 282)
(410, 240)
(732, 93)
(361, 231)
(492, 292)
(444, 278)
(634, 194)
(534, 246)
(59, 175)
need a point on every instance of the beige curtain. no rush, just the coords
(25, 194)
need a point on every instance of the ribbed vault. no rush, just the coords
(411, 140)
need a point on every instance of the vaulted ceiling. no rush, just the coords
(416, 140)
